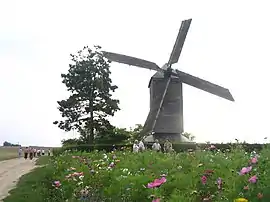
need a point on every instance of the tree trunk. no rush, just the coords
(91, 100)
(91, 134)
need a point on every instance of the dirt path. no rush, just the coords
(11, 171)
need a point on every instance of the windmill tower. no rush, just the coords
(165, 117)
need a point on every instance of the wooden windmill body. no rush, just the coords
(169, 122)
(165, 117)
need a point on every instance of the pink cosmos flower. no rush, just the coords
(245, 170)
(56, 184)
(254, 160)
(156, 200)
(203, 179)
(156, 183)
(253, 179)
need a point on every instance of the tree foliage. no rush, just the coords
(90, 103)
(114, 136)
(8, 144)
(136, 132)
(111, 136)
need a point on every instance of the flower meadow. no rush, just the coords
(209, 175)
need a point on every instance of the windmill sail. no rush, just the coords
(147, 128)
(115, 57)
(179, 43)
(205, 85)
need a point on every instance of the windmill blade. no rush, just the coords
(147, 128)
(161, 101)
(179, 43)
(115, 57)
(204, 85)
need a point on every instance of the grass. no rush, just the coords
(32, 186)
(8, 153)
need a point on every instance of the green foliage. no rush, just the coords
(136, 132)
(123, 176)
(115, 136)
(90, 103)
(180, 147)
(8, 144)
(71, 141)
(109, 137)
(43, 160)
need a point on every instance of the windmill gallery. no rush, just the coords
(165, 117)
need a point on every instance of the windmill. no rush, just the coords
(165, 118)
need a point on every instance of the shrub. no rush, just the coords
(180, 147)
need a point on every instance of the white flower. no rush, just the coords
(81, 177)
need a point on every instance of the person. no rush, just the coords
(141, 146)
(31, 153)
(26, 153)
(136, 146)
(156, 146)
(42, 152)
(49, 152)
(38, 152)
(168, 146)
(20, 152)
(35, 152)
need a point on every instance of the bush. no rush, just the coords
(180, 147)
(191, 176)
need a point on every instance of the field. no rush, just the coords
(197, 176)
(8, 153)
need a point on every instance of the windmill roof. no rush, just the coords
(158, 75)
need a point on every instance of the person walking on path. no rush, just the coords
(38, 152)
(20, 152)
(26, 150)
(35, 152)
(31, 153)
(49, 152)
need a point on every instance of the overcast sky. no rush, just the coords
(228, 44)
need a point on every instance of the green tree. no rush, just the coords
(90, 103)
(113, 136)
(136, 132)
(70, 142)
